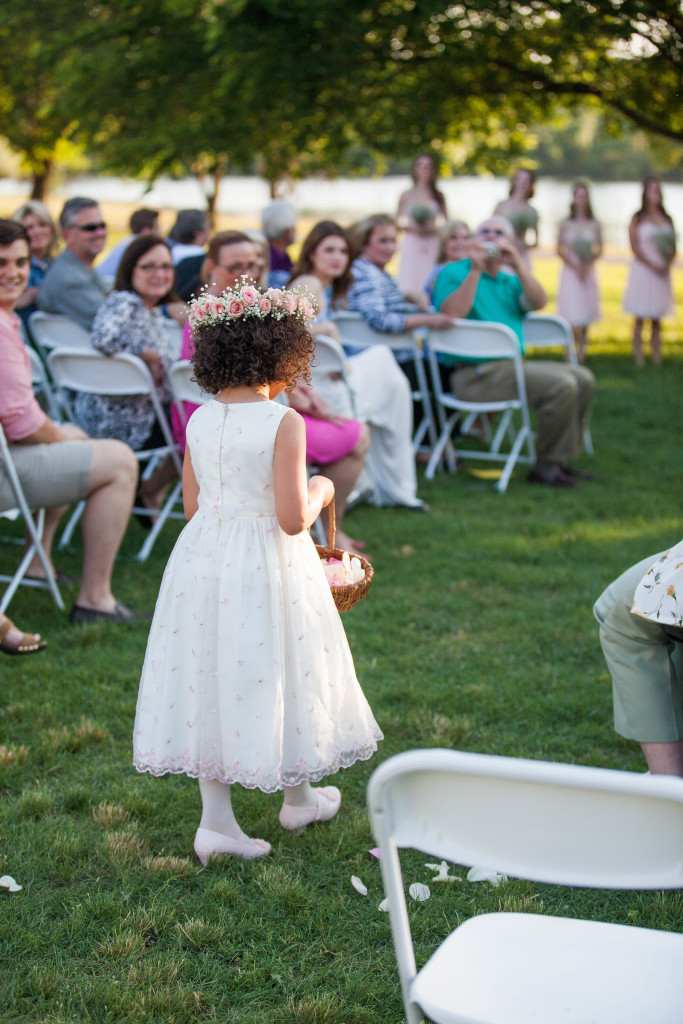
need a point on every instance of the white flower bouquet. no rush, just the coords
(421, 213)
(584, 248)
(665, 240)
(522, 220)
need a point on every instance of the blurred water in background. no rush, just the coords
(468, 198)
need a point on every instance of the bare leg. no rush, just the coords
(111, 488)
(218, 831)
(638, 342)
(580, 339)
(664, 758)
(344, 474)
(153, 488)
(656, 343)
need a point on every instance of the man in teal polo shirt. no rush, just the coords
(483, 287)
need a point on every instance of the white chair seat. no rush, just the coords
(538, 969)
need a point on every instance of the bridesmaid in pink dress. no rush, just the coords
(579, 245)
(648, 293)
(421, 209)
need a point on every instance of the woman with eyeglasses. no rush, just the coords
(131, 320)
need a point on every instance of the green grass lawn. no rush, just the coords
(477, 633)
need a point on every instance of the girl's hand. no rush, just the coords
(321, 487)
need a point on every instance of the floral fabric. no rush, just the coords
(659, 595)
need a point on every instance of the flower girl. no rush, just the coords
(248, 677)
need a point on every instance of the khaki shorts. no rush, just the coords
(50, 474)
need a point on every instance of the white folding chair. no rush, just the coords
(184, 388)
(120, 375)
(355, 331)
(34, 526)
(43, 386)
(329, 359)
(53, 330)
(175, 333)
(472, 340)
(547, 330)
(554, 823)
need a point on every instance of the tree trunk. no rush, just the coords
(40, 180)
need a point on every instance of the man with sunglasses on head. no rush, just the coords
(495, 284)
(72, 286)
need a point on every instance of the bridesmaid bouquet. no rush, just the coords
(584, 248)
(421, 214)
(522, 220)
(665, 240)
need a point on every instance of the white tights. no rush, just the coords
(217, 812)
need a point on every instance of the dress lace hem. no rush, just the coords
(267, 783)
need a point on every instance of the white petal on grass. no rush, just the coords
(442, 872)
(384, 906)
(419, 892)
(358, 885)
(7, 882)
(376, 852)
(486, 875)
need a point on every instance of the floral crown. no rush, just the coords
(247, 301)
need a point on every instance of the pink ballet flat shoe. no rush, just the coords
(328, 802)
(215, 844)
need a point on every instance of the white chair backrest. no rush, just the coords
(547, 330)
(354, 330)
(95, 373)
(183, 387)
(52, 330)
(329, 356)
(547, 822)
(42, 385)
(476, 339)
(175, 333)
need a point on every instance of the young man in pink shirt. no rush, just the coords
(57, 463)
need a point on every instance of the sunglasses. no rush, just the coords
(90, 227)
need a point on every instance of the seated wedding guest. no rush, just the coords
(420, 210)
(373, 292)
(641, 633)
(58, 464)
(339, 444)
(480, 288)
(579, 245)
(72, 286)
(131, 320)
(381, 390)
(42, 235)
(189, 234)
(278, 221)
(142, 222)
(519, 212)
(453, 239)
(15, 641)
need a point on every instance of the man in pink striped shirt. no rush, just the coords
(57, 463)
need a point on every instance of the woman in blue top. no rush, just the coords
(35, 217)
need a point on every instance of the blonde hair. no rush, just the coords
(447, 232)
(41, 212)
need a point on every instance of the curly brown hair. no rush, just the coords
(250, 351)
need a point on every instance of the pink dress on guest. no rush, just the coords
(648, 295)
(327, 441)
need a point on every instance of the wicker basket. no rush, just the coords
(348, 594)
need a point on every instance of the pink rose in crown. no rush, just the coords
(249, 295)
(219, 308)
(305, 307)
(275, 296)
(290, 302)
(264, 304)
(236, 308)
(198, 314)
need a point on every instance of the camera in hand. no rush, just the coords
(491, 250)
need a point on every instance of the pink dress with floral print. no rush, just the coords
(248, 676)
